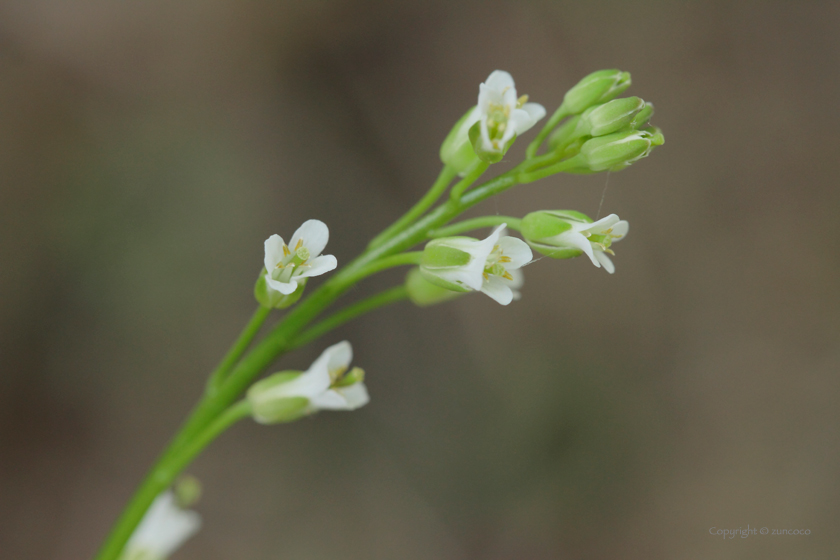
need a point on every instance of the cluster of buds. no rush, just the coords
(606, 134)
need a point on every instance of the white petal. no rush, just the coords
(314, 381)
(284, 288)
(317, 266)
(535, 113)
(578, 241)
(486, 144)
(329, 400)
(603, 224)
(164, 527)
(356, 395)
(517, 280)
(517, 251)
(339, 356)
(499, 80)
(273, 252)
(497, 289)
(315, 235)
(619, 230)
(605, 260)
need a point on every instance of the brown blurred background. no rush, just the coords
(147, 150)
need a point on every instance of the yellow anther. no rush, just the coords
(485, 276)
(504, 259)
(521, 101)
(507, 275)
(286, 251)
(299, 244)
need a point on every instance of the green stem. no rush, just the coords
(476, 223)
(397, 293)
(555, 119)
(278, 341)
(465, 183)
(161, 477)
(571, 163)
(438, 188)
(238, 348)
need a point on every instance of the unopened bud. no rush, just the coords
(597, 87)
(618, 150)
(613, 116)
(457, 150)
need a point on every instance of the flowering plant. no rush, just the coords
(591, 131)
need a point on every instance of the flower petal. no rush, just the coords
(314, 234)
(499, 80)
(577, 241)
(535, 112)
(314, 381)
(606, 261)
(517, 280)
(517, 251)
(356, 395)
(273, 252)
(284, 288)
(497, 289)
(329, 400)
(164, 528)
(317, 266)
(339, 356)
(603, 224)
(619, 230)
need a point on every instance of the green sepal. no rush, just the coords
(272, 299)
(542, 225)
(615, 151)
(478, 143)
(642, 117)
(423, 292)
(438, 255)
(612, 116)
(555, 252)
(438, 281)
(266, 409)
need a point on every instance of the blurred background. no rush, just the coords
(147, 150)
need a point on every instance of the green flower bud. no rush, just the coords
(642, 117)
(423, 293)
(597, 87)
(610, 117)
(618, 150)
(273, 299)
(269, 408)
(457, 149)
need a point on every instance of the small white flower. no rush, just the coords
(501, 113)
(502, 278)
(593, 238)
(490, 265)
(326, 385)
(163, 529)
(285, 264)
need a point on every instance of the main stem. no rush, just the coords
(213, 404)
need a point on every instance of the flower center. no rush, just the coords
(495, 264)
(497, 119)
(602, 241)
(290, 262)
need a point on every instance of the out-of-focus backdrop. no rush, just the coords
(148, 148)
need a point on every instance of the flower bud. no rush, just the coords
(423, 293)
(597, 87)
(618, 150)
(610, 117)
(457, 149)
(269, 402)
(642, 117)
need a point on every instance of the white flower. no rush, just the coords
(501, 113)
(465, 264)
(502, 278)
(593, 238)
(163, 529)
(285, 267)
(325, 385)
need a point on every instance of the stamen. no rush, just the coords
(504, 259)
(521, 101)
(507, 275)
(299, 244)
(286, 251)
